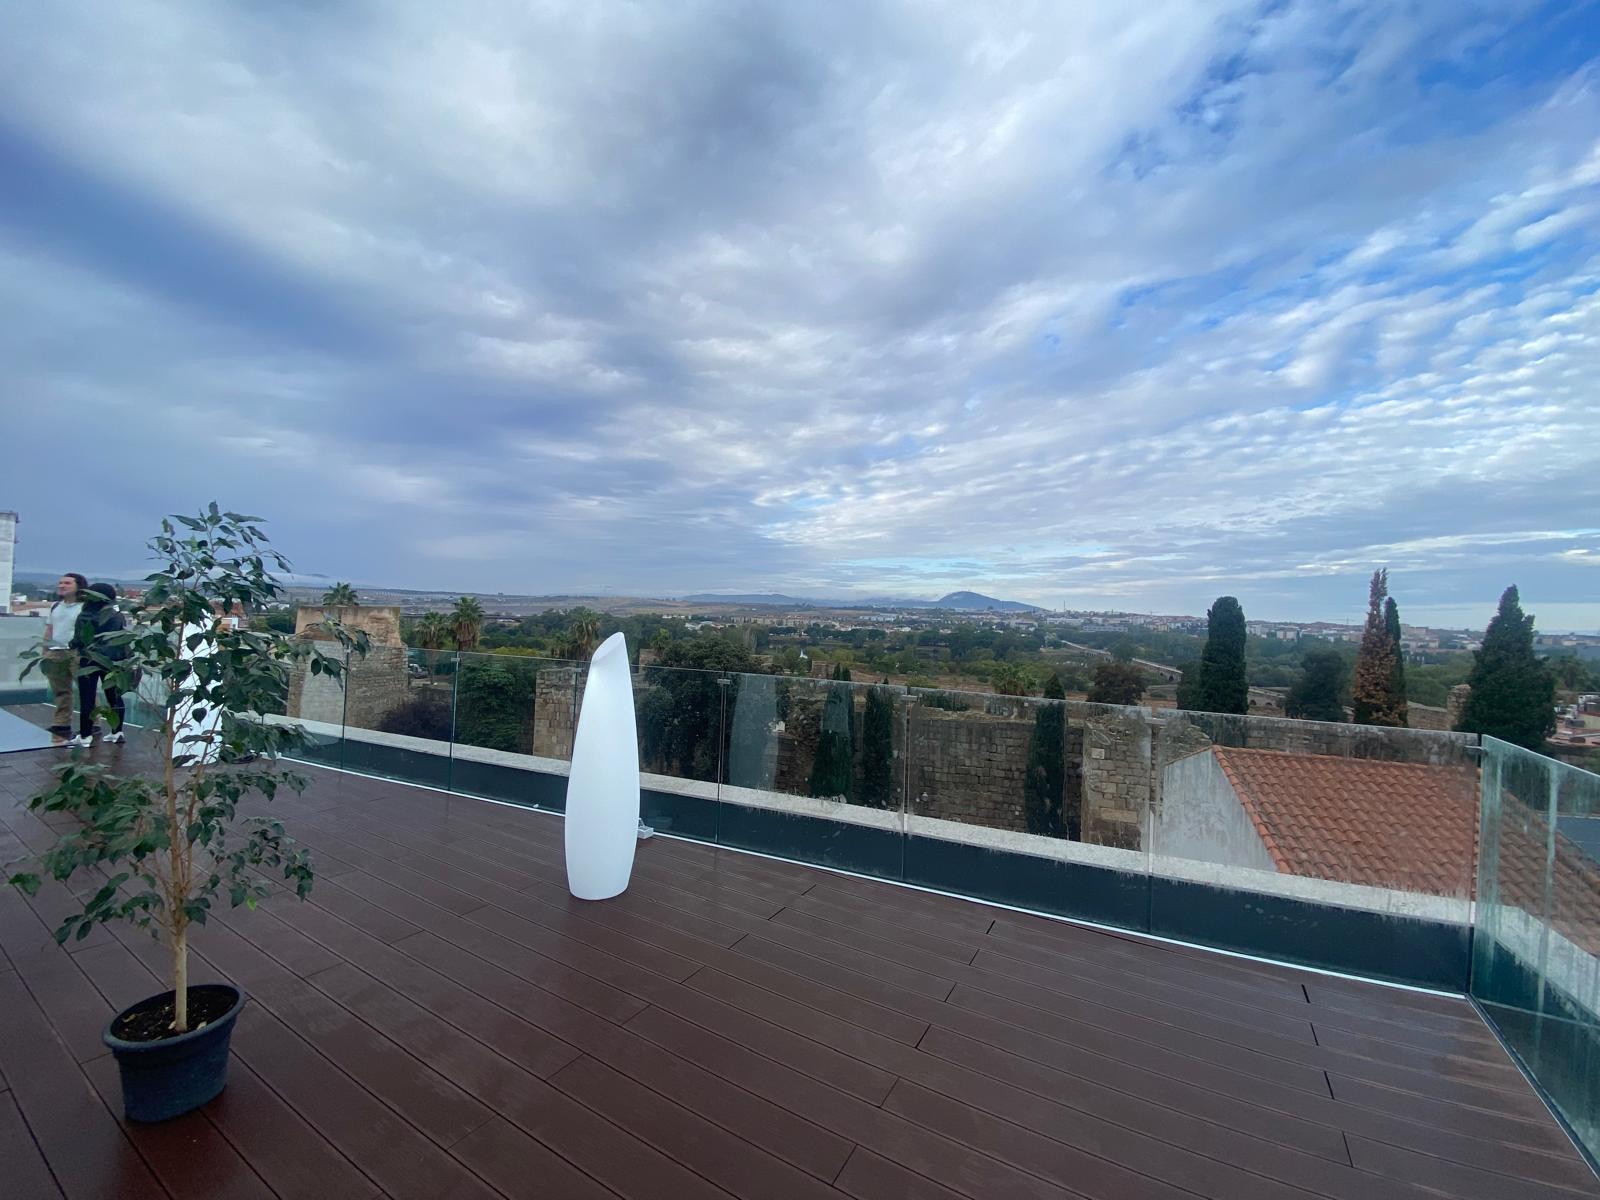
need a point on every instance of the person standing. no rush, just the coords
(99, 616)
(59, 661)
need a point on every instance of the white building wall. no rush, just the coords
(1200, 817)
(8, 541)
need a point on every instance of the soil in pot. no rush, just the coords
(154, 1022)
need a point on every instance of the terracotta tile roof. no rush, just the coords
(1394, 825)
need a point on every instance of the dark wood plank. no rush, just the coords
(967, 1171)
(509, 1036)
(956, 946)
(760, 1122)
(1516, 1129)
(187, 1154)
(429, 1101)
(1066, 1164)
(27, 1176)
(1454, 1178)
(405, 1163)
(872, 1177)
(74, 1006)
(554, 977)
(725, 1160)
(595, 1146)
(80, 1139)
(287, 1151)
(523, 1169)
(1208, 1159)
(1284, 1128)
(443, 1018)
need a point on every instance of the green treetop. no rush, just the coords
(1315, 696)
(1397, 681)
(1223, 687)
(1513, 693)
(340, 595)
(1373, 697)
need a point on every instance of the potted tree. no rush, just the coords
(169, 841)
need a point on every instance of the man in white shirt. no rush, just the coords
(60, 663)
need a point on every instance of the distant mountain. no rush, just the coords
(978, 602)
(769, 598)
(956, 601)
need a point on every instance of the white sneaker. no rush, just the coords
(81, 742)
(116, 738)
(645, 831)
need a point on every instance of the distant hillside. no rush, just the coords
(957, 601)
(978, 602)
(769, 598)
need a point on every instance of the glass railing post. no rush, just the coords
(450, 750)
(904, 773)
(724, 749)
(344, 707)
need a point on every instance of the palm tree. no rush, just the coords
(340, 595)
(583, 632)
(431, 633)
(467, 622)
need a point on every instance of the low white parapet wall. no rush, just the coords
(1553, 957)
(1450, 910)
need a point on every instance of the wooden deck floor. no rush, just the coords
(442, 1020)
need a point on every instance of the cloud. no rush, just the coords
(1239, 297)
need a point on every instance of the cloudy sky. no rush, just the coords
(1121, 305)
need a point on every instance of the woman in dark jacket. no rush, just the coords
(99, 616)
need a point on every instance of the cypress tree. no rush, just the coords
(1045, 783)
(1397, 682)
(832, 770)
(1189, 686)
(1372, 694)
(1053, 689)
(1223, 688)
(1513, 693)
(1315, 696)
(877, 748)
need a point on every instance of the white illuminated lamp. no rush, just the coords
(603, 824)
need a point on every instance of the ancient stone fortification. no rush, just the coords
(557, 697)
(376, 684)
(969, 764)
(1426, 716)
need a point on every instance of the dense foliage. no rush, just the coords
(877, 749)
(1045, 784)
(494, 701)
(679, 708)
(1513, 693)
(425, 713)
(833, 768)
(1117, 683)
(1373, 695)
(165, 849)
(1397, 678)
(1318, 695)
(1223, 687)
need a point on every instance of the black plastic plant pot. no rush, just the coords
(170, 1076)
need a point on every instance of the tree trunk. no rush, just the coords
(180, 980)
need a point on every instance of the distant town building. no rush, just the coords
(8, 542)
